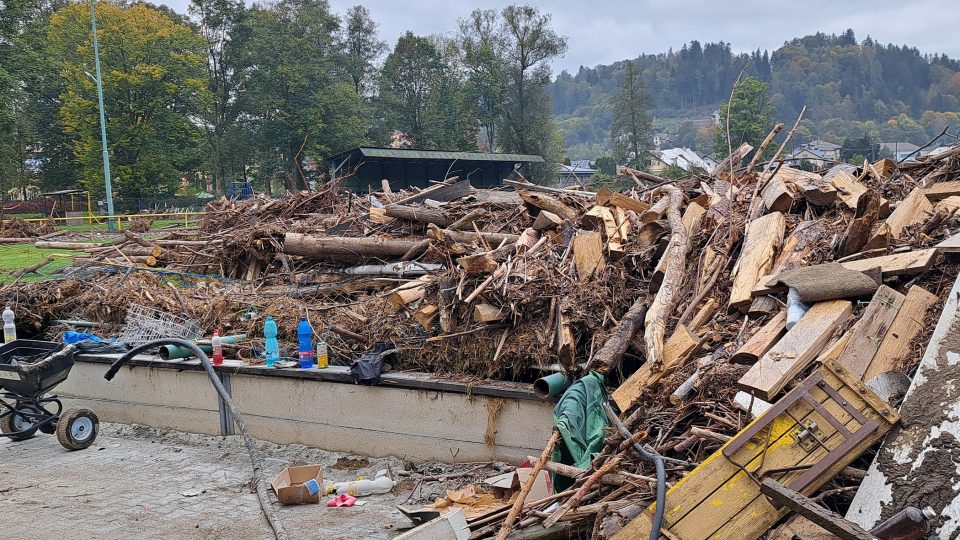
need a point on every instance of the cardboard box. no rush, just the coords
(288, 485)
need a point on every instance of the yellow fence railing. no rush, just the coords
(92, 219)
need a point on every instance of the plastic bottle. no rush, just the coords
(323, 357)
(908, 524)
(217, 343)
(9, 328)
(271, 347)
(363, 487)
(305, 337)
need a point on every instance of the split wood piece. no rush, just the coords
(828, 281)
(762, 340)
(777, 195)
(912, 262)
(588, 254)
(808, 508)
(764, 236)
(482, 263)
(692, 217)
(913, 210)
(547, 220)
(421, 214)
(447, 304)
(608, 357)
(588, 484)
(651, 232)
(467, 220)
(466, 237)
(548, 203)
(346, 249)
(814, 188)
(858, 231)
(427, 315)
(600, 218)
(703, 315)
(665, 301)
(525, 490)
(378, 215)
(867, 334)
(763, 306)
(450, 190)
(408, 292)
(608, 197)
(849, 190)
(733, 160)
(656, 211)
(894, 349)
(676, 352)
(884, 167)
(942, 190)
(566, 344)
(794, 352)
(485, 313)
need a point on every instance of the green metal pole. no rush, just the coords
(103, 121)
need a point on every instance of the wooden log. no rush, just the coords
(777, 195)
(137, 239)
(703, 315)
(762, 340)
(849, 191)
(43, 244)
(566, 344)
(548, 203)
(518, 184)
(547, 220)
(912, 262)
(378, 215)
(450, 190)
(346, 249)
(763, 306)
(942, 190)
(608, 357)
(894, 349)
(814, 188)
(33, 267)
(808, 508)
(427, 315)
(421, 214)
(763, 237)
(466, 237)
(485, 313)
(607, 197)
(408, 292)
(828, 281)
(522, 496)
(467, 220)
(482, 263)
(794, 352)
(588, 254)
(869, 331)
(676, 351)
(858, 231)
(665, 301)
(17, 240)
(651, 232)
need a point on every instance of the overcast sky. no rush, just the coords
(604, 31)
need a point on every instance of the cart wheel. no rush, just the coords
(77, 428)
(13, 423)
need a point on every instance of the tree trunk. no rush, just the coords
(343, 249)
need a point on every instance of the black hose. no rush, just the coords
(255, 459)
(653, 457)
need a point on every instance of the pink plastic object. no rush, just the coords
(341, 500)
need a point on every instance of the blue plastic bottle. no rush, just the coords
(305, 336)
(271, 346)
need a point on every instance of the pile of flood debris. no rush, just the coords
(752, 327)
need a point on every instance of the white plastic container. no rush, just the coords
(9, 327)
(363, 487)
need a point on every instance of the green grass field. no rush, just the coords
(16, 256)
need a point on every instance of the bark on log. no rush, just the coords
(667, 296)
(466, 237)
(548, 203)
(345, 249)
(608, 357)
(422, 214)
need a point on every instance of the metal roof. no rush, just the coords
(405, 153)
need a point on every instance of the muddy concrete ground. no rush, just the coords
(139, 482)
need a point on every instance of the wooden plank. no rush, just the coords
(942, 190)
(950, 245)
(913, 210)
(703, 315)
(676, 351)
(794, 352)
(588, 254)
(869, 331)
(488, 313)
(912, 262)
(692, 217)
(894, 348)
(764, 236)
(809, 509)
(762, 340)
(607, 197)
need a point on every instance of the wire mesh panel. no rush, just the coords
(145, 324)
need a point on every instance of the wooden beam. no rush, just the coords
(808, 508)
(869, 331)
(912, 262)
(762, 340)
(894, 349)
(764, 236)
(588, 254)
(794, 352)
(676, 351)
(607, 197)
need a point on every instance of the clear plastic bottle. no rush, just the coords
(363, 487)
(9, 327)
(323, 356)
(305, 338)
(271, 347)
(908, 524)
(217, 343)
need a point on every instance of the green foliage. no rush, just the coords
(855, 150)
(674, 172)
(632, 127)
(361, 47)
(607, 165)
(750, 117)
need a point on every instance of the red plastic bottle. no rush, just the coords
(217, 343)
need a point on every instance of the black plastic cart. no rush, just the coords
(28, 370)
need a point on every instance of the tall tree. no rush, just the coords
(751, 117)
(409, 85)
(154, 81)
(361, 46)
(481, 39)
(632, 127)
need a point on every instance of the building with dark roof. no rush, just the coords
(364, 167)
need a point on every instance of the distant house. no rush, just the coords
(683, 157)
(939, 150)
(899, 150)
(574, 175)
(819, 153)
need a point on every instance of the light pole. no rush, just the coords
(103, 121)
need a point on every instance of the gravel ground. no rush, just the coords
(140, 482)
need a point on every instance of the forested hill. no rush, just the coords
(850, 88)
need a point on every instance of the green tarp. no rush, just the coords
(580, 418)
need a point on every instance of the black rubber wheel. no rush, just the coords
(77, 428)
(13, 423)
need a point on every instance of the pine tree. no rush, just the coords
(632, 127)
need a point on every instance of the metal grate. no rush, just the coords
(147, 324)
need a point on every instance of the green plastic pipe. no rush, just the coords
(551, 385)
(172, 352)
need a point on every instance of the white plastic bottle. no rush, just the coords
(363, 487)
(9, 328)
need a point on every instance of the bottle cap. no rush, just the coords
(929, 513)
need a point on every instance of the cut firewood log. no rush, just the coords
(422, 214)
(796, 349)
(762, 340)
(858, 232)
(408, 292)
(547, 220)
(916, 208)
(607, 197)
(588, 254)
(678, 349)
(812, 186)
(849, 190)
(692, 217)
(764, 235)
(427, 315)
(548, 203)
(894, 349)
(777, 195)
(867, 334)
(665, 301)
(566, 344)
(484, 313)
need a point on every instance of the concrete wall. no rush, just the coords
(376, 421)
